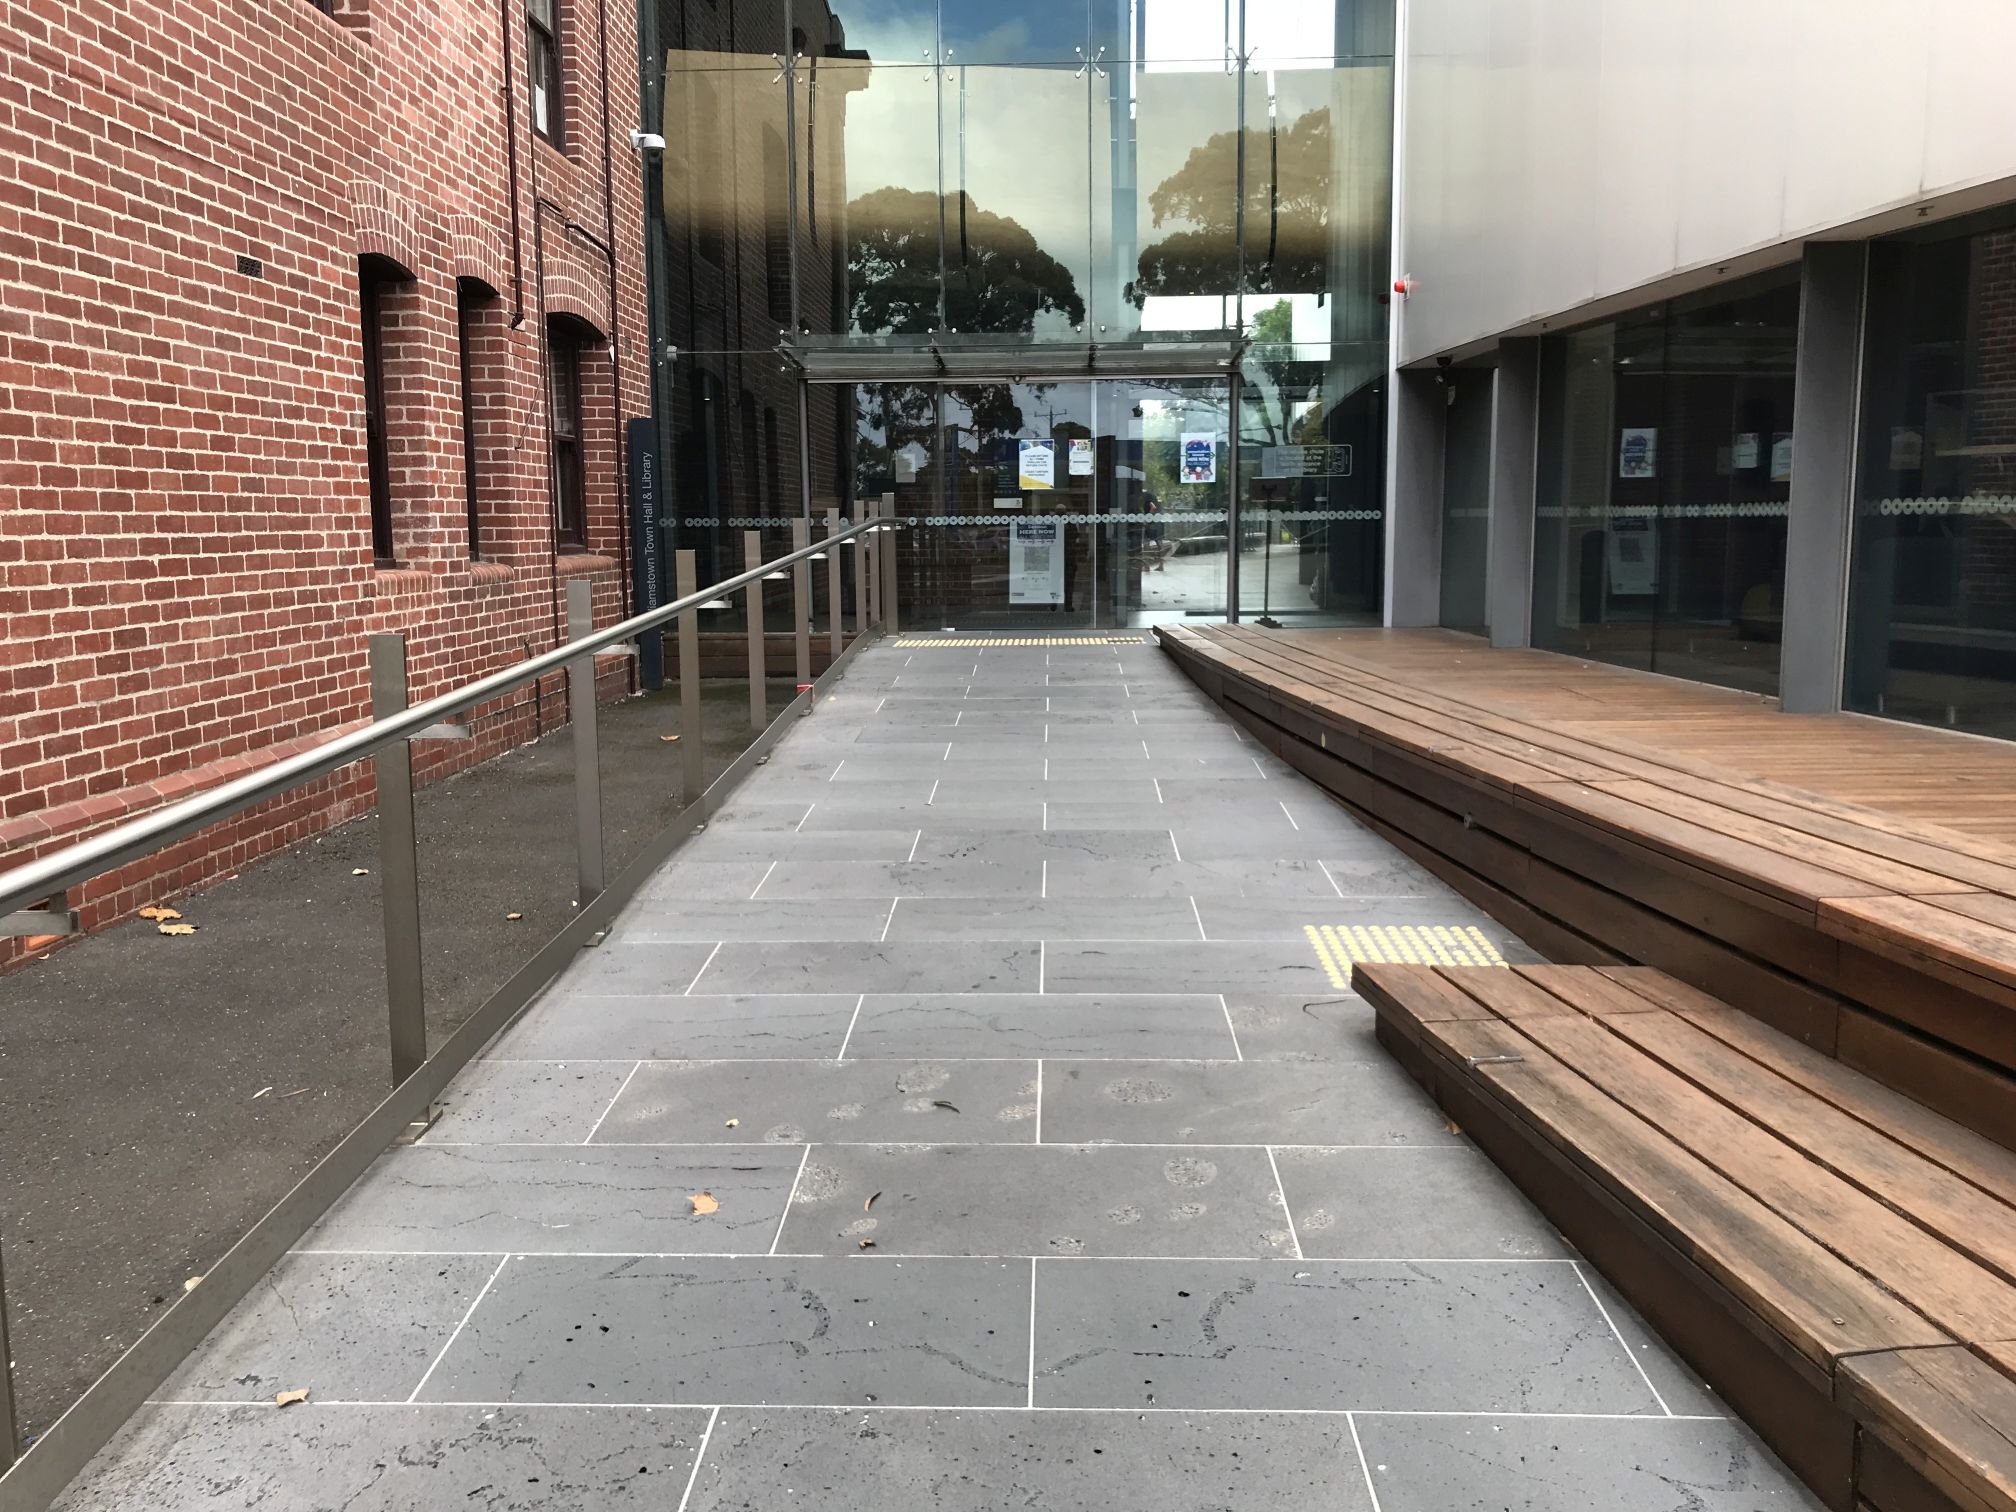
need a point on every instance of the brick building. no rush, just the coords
(317, 318)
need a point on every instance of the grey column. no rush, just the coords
(1414, 500)
(398, 864)
(1817, 527)
(1508, 582)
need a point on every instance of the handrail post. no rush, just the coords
(759, 703)
(10, 1433)
(587, 747)
(686, 583)
(864, 578)
(887, 536)
(836, 610)
(801, 603)
(398, 864)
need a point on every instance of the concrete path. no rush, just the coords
(969, 1118)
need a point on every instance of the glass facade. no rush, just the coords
(1466, 498)
(1663, 479)
(1050, 274)
(1932, 605)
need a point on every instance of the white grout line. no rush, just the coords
(836, 771)
(625, 1087)
(799, 827)
(1173, 845)
(1258, 768)
(693, 1479)
(1158, 789)
(913, 847)
(1044, 890)
(786, 1214)
(1039, 1102)
(1364, 1465)
(1239, 1054)
(1291, 817)
(764, 878)
(932, 796)
(847, 1038)
(948, 751)
(502, 1261)
(884, 700)
(1330, 879)
(1287, 1211)
(1046, 814)
(1618, 1334)
(703, 968)
(1032, 1333)
(1042, 964)
(1199, 917)
(886, 1257)
(891, 919)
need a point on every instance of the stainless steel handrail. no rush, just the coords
(46, 876)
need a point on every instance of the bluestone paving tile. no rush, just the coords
(352, 1327)
(1555, 1465)
(562, 1199)
(815, 845)
(1036, 1200)
(897, 966)
(1183, 966)
(509, 1101)
(925, 812)
(909, 879)
(713, 919)
(1261, 818)
(954, 1461)
(1043, 919)
(1238, 1102)
(1475, 1337)
(791, 1102)
(1326, 1026)
(392, 1459)
(817, 1332)
(1264, 919)
(1049, 1025)
(1426, 1203)
(700, 879)
(700, 1027)
(1045, 845)
(630, 968)
(1679, 1385)
(1072, 877)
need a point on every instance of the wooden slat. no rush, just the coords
(1929, 929)
(1947, 1414)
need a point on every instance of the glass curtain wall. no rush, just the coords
(893, 241)
(1664, 477)
(1932, 607)
(1466, 497)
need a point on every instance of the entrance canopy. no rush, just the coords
(948, 358)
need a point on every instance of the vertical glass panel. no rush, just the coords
(1726, 482)
(1466, 499)
(871, 230)
(1166, 190)
(894, 449)
(1029, 31)
(1311, 428)
(1162, 523)
(1018, 201)
(1932, 618)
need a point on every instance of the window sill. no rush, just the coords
(397, 580)
(582, 564)
(482, 573)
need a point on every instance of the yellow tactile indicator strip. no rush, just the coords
(1341, 946)
(1022, 640)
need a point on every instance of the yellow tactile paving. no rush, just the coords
(1339, 947)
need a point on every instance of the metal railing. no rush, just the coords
(35, 900)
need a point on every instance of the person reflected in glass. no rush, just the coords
(1156, 548)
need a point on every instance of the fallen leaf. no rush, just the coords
(176, 929)
(295, 1093)
(360, 871)
(869, 1203)
(289, 1398)
(734, 1123)
(192, 1283)
(939, 1102)
(1452, 1126)
(668, 739)
(867, 1244)
(154, 911)
(514, 916)
(260, 1093)
(704, 1202)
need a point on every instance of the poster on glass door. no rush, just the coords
(1035, 562)
(1037, 464)
(1200, 457)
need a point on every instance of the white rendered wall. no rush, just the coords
(1562, 151)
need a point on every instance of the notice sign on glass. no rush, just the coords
(1081, 456)
(1638, 452)
(1035, 562)
(1037, 467)
(1305, 461)
(1200, 457)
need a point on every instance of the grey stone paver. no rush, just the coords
(1111, 1199)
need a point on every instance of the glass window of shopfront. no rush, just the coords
(1466, 497)
(1664, 477)
(1932, 606)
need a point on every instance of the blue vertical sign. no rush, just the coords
(647, 553)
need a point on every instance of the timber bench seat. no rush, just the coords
(1879, 938)
(1838, 1261)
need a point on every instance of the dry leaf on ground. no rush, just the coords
(668, 739)
(514, 916)
(192, 1283)
(360, 871)
(869, 1203)
(704, 1202)
(155, 911)
(260, 1093)
(289, 1398)
(176, 929)
(734, 1123)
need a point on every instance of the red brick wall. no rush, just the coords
(186, 568)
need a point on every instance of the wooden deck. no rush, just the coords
(1848, 880)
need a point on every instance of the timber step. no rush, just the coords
(1876, 937)
(1837, 1260)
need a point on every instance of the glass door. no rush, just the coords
(1161, 458)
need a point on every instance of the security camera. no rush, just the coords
(646, 141)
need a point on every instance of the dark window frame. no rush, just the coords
(468, 295)
(542, 64)
(570, 496)
(372, 277)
